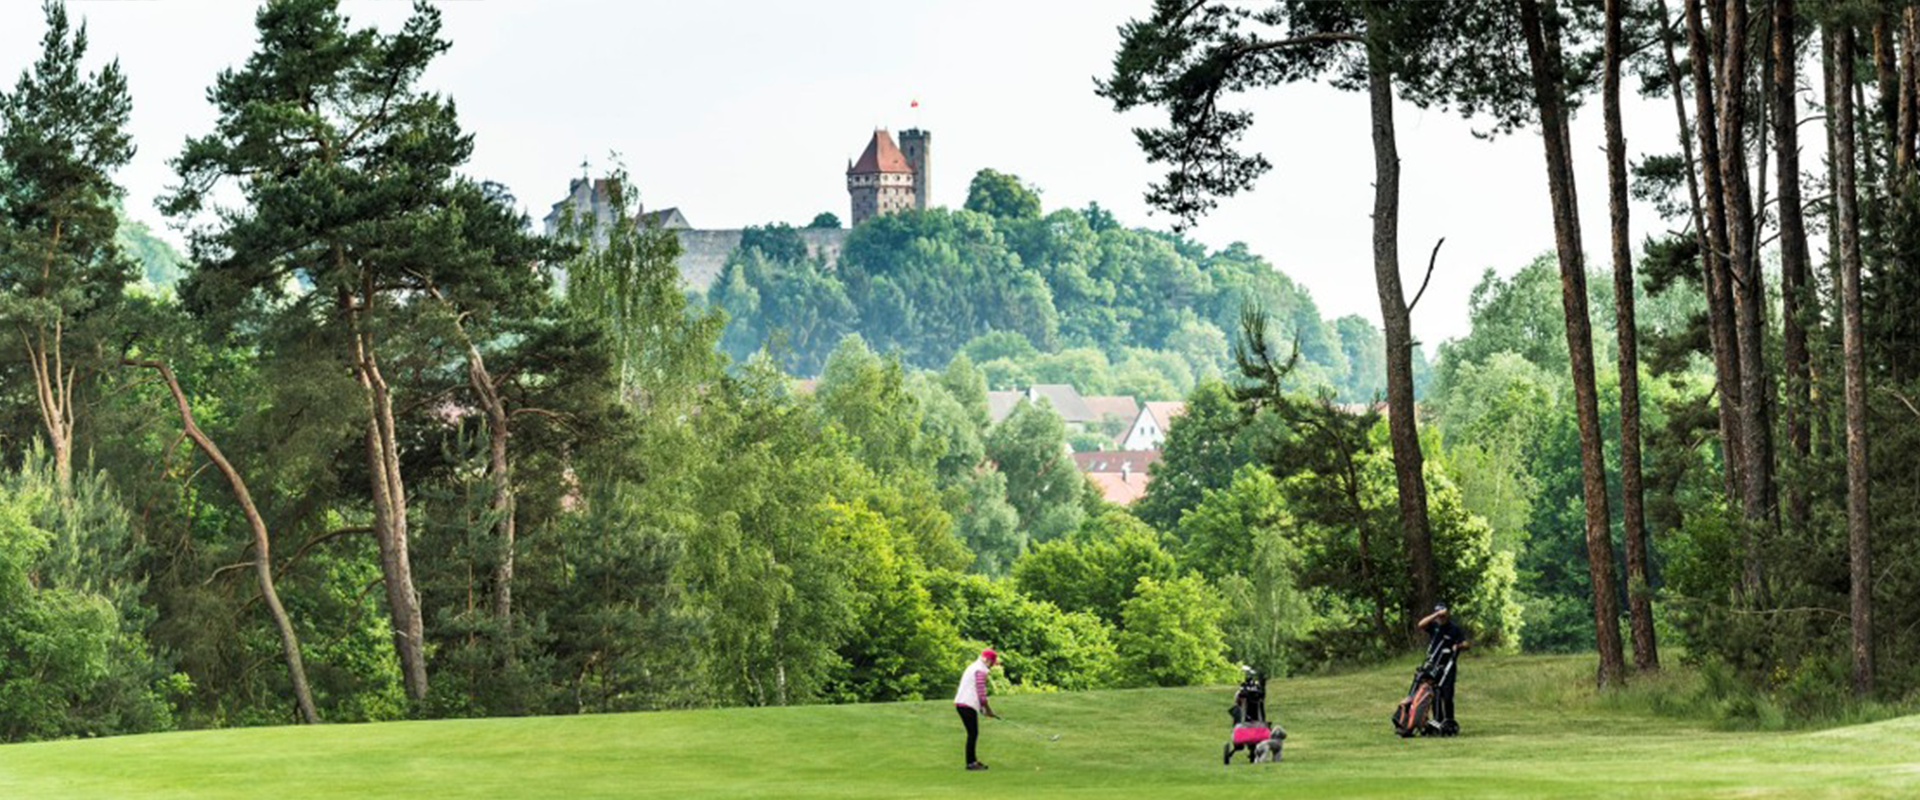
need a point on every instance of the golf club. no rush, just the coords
(1030, 731)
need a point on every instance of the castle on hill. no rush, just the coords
(887, 178)
(890, 178)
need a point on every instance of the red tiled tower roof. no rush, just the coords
(881, 156)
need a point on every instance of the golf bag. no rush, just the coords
(1414, 714)
(1411, 716)
(1251, 731)
(1250, 700)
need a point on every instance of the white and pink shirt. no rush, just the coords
(973, 686)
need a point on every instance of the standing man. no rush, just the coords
(1445, 640)
(971, 701)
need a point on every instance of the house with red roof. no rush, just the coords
(1120, 475)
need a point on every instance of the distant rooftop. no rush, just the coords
(1116, 461)
(1121, 406)
(882, 155)
(1119, 489)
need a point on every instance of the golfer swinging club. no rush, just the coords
(971, 701)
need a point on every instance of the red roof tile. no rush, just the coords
(1119, 489)
(881, 156)
(1165, 410)
(1116, 461)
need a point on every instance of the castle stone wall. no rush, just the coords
(704, 252)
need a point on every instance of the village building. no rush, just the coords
(1149, 428)
(1121, 476)
(1063, 398)
(1108, 408)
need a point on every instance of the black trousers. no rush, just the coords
(971, 719)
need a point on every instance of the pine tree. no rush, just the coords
(1540, 24)
(345, 168)
(1633, 515)
(62, 134)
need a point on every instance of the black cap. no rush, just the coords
(1440, 606)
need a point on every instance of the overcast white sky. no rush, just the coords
(747, 112)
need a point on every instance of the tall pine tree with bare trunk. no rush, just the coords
(1716, 283)
(1909, 92)
(1540, 25)
(344, 164)
(1646, 654)
(1183, 56)
(1402, 420)
(1795, 262)
(1853, 348)
(62, 134)
(1748, 290)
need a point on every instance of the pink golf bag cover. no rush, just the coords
(1250, 733)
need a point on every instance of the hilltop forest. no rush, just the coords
(1068, 296)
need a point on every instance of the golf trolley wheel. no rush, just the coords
(1226, 754)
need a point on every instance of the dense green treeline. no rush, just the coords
(379, 452)
(368, 456)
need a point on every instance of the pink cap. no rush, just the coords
(989, 655)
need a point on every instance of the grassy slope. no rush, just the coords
(1526, 735)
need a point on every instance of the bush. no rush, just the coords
(1172, 636)
(1097, 569)
(1218, 535)
(1040, 646)
(69, 663)
(1268, 613)
(900, 645)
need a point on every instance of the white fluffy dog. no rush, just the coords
(1269, 751)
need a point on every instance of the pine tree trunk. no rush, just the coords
(389, 506)
(262, 549)
(1748, 298)
(1909, 89)
(1713, 258)
(1543, 51)
(1634, 520)
(1401, 420)
(1795, 263)
(52, 378)
(1677, 81)
(1887, 81)
(499, 472)
(1846, 211)
(53, 392)
(1830, 442)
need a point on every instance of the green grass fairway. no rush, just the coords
(1527, 734)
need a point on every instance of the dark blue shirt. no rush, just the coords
(1443, 641)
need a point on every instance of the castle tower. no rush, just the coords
(882, 181)
(917, 146)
